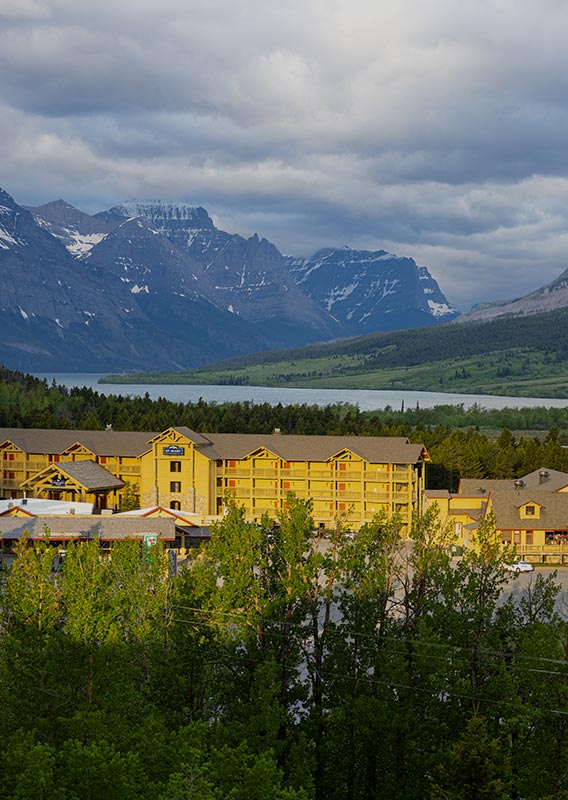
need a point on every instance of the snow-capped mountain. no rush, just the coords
(247, 277)
(371, 290)
(153, 285)
(79, 232)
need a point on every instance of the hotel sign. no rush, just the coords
(58, 481)
(174, 450)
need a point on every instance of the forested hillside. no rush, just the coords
(518, 356)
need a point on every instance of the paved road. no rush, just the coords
(516, 585)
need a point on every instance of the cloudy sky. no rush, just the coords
(433, 129)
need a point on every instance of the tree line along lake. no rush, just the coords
(364, 399)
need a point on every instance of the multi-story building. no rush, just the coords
(530, 512)
(354, 476)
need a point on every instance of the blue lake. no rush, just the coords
(365, 399)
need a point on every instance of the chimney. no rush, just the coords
(276, 432)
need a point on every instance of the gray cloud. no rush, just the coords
(434, 130)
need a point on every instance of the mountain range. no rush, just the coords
(154, 285)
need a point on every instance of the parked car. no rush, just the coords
(520, 566)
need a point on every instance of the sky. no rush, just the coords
(436, 129)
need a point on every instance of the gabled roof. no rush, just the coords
(543, 479)
(183, 517)
(548, 480)
(506, 507)
(90, 475)
(127, 444)
(374, 449)
(184, 432)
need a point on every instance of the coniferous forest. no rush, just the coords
(453, 435)
(281, 666)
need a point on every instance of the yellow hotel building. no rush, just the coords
(355, 476)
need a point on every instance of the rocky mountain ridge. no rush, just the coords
(548, 298)
(153, 285)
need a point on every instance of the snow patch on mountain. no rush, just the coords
(80, 245)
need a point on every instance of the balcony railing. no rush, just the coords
(232, 472)
(129, 470)
(265, 473)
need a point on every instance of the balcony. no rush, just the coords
(377, 475)
(232, 472)
(258, 492)
(129, 470)
(265, 473)
(323, 494)
(380, 497)
(286, 474)
(341, 495)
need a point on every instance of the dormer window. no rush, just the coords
(532, 510)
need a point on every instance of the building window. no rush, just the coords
(175, 486)
(102, 460)
(458, 529)
(175, 505)
(516, 537)
(530, 511)
(529, 537)
(175, 466)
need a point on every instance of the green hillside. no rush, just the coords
(517, 356)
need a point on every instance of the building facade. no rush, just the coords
(350, 476)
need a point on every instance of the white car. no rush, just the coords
(520, 566)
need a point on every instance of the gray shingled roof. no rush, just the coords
(475, 487)
(551, 482)
(91, 475)
(101, 443)
(375, 449)
(553, 512)
(85, 528)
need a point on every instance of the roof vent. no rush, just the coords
(10, 505)
(24, 501)
(276, 431)
(543, 475)
(519, 483)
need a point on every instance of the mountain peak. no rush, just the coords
(165, 212)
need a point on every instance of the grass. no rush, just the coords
(512, 372)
